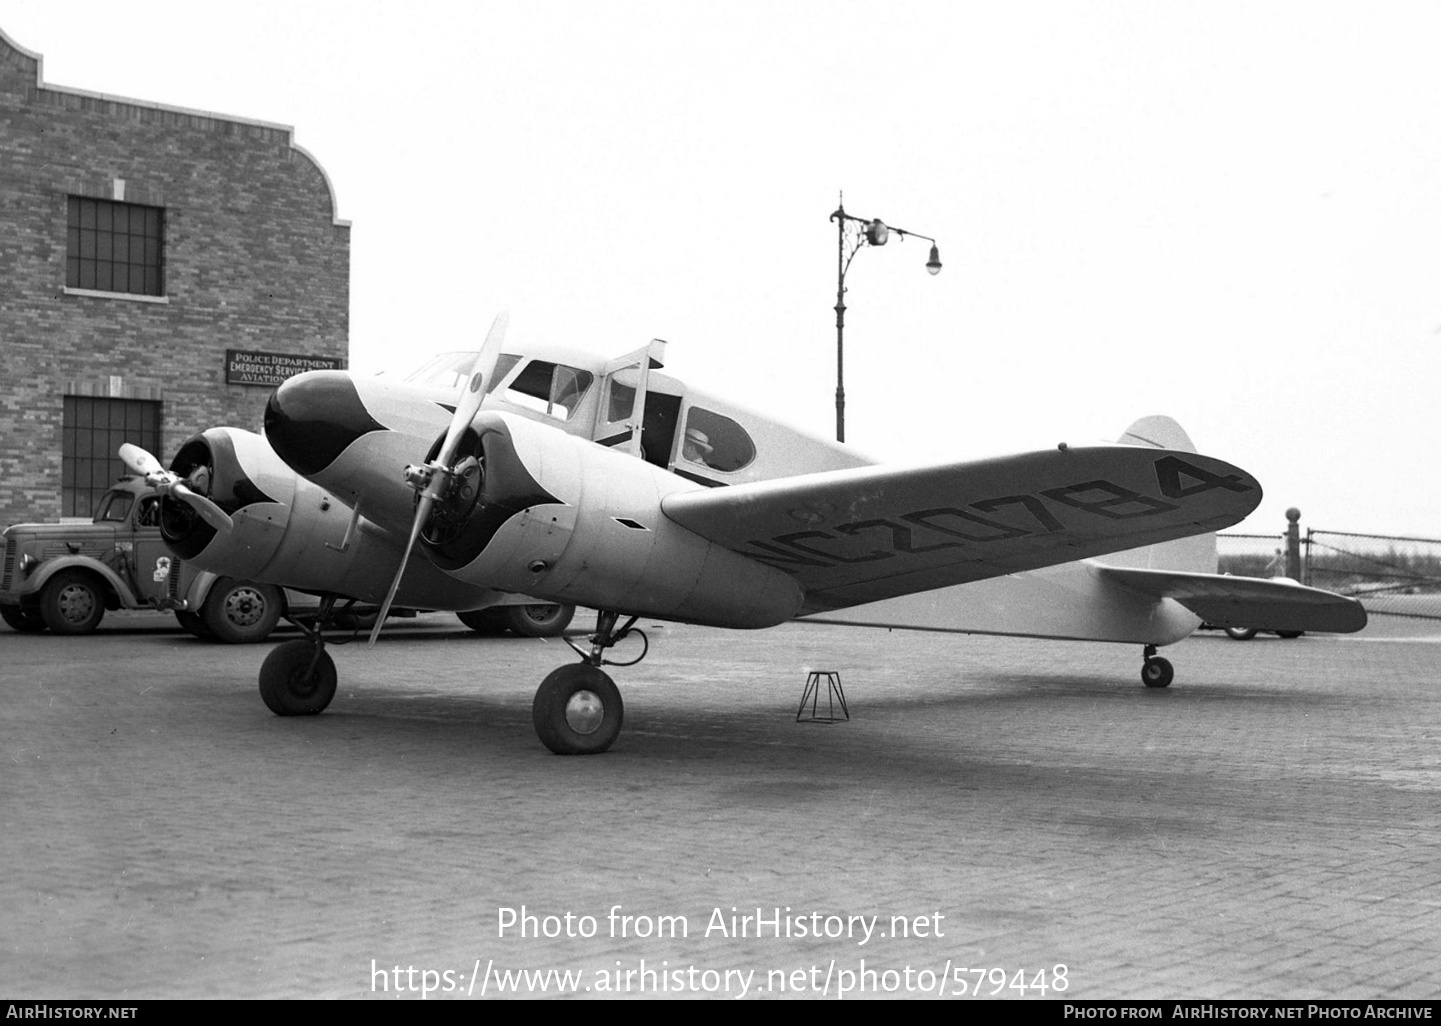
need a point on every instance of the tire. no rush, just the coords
(1289, 634)
(241, 612)
(289, 687)
(72, 602)
(23, 619)
(577, 710)
(194, 623)
(483, 621)
(1240, 633)
(538, 620)
(1157, 672)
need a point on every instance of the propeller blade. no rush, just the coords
(138, 461)
(465, 410)
(209, 512)
(422, 512)
(475, 387)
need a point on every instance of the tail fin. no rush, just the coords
(1196, 554)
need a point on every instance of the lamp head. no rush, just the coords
(934, 263)
(877, 232)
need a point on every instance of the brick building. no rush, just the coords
(160, 269)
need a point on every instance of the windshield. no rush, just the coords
(114, 506)
(449, 370)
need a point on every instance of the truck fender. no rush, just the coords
(194, 596)
(48, 569)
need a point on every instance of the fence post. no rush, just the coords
(1293, 543)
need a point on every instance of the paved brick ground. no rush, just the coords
(1267, 827)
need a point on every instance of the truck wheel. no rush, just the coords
(72, 602)
(241, 612)
(540, 620)
(195, 624)
(483, 621)
(26, 621)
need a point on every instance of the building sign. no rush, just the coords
(243, 367)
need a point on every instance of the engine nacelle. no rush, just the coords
(291, 532)
(564, 519)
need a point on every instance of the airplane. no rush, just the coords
(608, 484)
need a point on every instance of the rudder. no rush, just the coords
(1196, 554)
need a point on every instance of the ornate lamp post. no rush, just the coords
(851, 234)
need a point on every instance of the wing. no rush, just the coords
(871, 533)
(1278, 604)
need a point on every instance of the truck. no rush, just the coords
(64, 577)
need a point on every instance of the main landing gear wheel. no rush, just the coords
(297, 678)
(1240, 633)
(577, 710)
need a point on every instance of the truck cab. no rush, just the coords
(64, 577)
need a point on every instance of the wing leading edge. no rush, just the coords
(871, 533)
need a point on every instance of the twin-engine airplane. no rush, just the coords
(613, 486)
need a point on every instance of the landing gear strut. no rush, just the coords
(577, 709)
(298, 677)
(1155, 671)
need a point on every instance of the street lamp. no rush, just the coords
(851, 234)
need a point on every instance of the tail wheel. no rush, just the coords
(1240, 633)
(1157, 672)
(297, 679)
(577, 710)
(72, 602)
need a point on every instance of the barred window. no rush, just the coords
(114, 247)
(93, 429)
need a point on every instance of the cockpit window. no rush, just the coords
(115, 507)
(550, 388)
(622, 402)
(714, 441)
(448, 371)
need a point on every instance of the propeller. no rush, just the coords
(140, 462)
(432, 480)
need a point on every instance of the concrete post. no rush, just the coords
(1293, 544)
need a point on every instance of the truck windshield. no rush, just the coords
(114, 506)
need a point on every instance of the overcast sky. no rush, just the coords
(1226, 212)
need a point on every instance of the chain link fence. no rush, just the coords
(1392, 576)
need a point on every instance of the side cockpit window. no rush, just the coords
(550, 388)
(715, 441)
(149, 515)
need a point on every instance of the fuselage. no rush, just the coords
(578, 454)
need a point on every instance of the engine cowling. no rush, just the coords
(289, 531)
(562, 518)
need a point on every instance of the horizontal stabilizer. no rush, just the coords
(1278, 604)
(871, 533)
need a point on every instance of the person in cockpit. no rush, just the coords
(697, 447)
